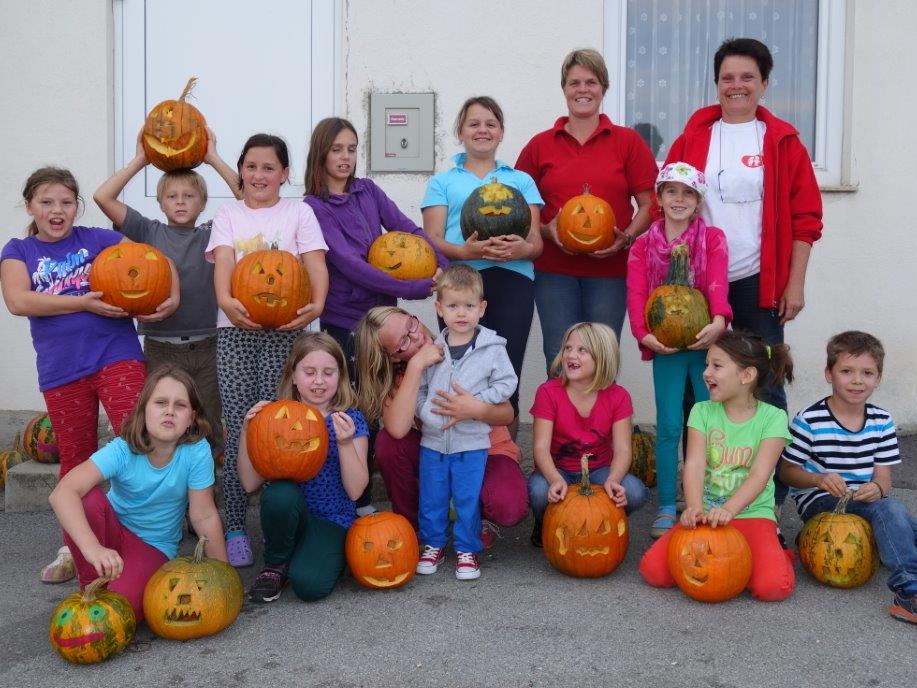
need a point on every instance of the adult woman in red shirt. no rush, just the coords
(586, 148)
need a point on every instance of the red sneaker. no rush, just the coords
(466, 566)
(904, 609)
(430, 559)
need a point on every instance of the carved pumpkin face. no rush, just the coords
(382, 550)
(402, 255)
(192, 597)
(132, 276)
(493, 210)
(175, 134)
(287, 440)
(586, 223)
(89, 626)
(38, 440)
(709, 564)
(838, 549)
(272, 285)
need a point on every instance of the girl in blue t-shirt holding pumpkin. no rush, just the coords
(305, 524)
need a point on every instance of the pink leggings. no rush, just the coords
(504, 495)
(140, 559)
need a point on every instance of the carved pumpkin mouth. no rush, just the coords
(697, 579)
(387, 582)
(79, 640)
(177, 616)
(164, 144)
(585, 238)
(591, 551)
(297, 445)
(495, 210)
(134, 294)
(270, 300)
(394, 267)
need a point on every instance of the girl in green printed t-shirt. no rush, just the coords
(734, 441)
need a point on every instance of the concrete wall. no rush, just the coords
(860, 272)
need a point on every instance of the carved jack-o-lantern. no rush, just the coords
(585, 535)
(838, 548)
(132, 276)
(287, 440)
(709, 564)
(272, 285)
(675, 312)
(382, 550)
(192, 597)
(586, 223)
(38, 440)
(403, 255)
(495, 209)
(89, 626)
(175, 134)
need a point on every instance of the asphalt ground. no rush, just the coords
(520, 624)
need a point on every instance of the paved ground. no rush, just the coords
(521, 624)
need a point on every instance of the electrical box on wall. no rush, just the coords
(401, 132)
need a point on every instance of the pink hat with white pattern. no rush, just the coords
(683, 173)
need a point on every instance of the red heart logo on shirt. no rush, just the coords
(753, 160)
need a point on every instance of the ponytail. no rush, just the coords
(749, 350)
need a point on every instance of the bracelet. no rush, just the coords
(628, 239)
(881, 493)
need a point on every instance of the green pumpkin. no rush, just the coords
(89, 626)
(11, 457)
(495, 209)
(675, 312)
(643, 462)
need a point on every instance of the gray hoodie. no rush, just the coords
(485, 371)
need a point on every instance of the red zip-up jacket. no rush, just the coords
(792, 201)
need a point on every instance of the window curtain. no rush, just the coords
(670, 47)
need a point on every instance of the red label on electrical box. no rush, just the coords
(398, 120)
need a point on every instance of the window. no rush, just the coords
(661, 51)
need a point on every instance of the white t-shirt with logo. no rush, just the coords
(735, 178)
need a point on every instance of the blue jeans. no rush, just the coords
(895, 531)
(563, 301)
(636, 491)
(748, 315)
(460, 477)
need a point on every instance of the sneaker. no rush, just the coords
(536, 534)
(489, 533)
(662, 524)
(239, 549)
(61, 569)
(466, 566)
(367, 510)
(430, 560)
(904, 609)
(269, 584)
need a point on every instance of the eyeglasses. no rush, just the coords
(405, 342)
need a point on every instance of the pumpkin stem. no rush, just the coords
(585, 189)
(199, 549)
(188, 87)
(17, 443)
(585, 488)
(679, 267)
(841, 507)
(89, 592)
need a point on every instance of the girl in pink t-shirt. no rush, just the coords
(582, 410)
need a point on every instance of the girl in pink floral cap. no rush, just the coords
(680, 189)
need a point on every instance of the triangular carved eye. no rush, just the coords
(583, 531)
(283, 412)
(599, 210)
(296, 426)
(310, 415)
(257, 269)
(149, 255)
(114, 254)
(395, 544)
(605, 528)
(579, 209)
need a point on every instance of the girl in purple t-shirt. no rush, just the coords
(87, 351)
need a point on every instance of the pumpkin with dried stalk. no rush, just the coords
(838, 548)
(90, 626)
(403, 255)
(132, 276)
(287, 440)
(272, 285)
(586, 223)
(192, 597)
(175, 133)
(709, 564)
(585, 534)
(382, 551)
(494, 210)
(675, 311)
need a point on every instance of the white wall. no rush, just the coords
(862, 272)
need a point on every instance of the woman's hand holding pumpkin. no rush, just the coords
(549, 231)
(622, 240)
(616, 491)
(507, 247)
(690, 516)
(718, 516)
(106, 562)
(304, 316)
(709, 333)
(92, 302)
(557, 489)
(653, 344)
(237, 314)
(474, 248)
(344, 428)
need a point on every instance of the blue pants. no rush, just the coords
(895, 531)
(669, 374)
(460, 477)
(636, 491)
(563, 301)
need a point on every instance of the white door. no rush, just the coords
(271, 66)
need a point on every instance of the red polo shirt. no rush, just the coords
(616, 164)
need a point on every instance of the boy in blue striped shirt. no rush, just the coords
(845, 443)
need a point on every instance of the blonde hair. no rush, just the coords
(344, 397)
(460, 277)
(375, 369)
(602, 344)
(189, 176)
(587, 58)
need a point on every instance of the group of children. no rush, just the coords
(208, 360)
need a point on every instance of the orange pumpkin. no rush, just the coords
(192, 597)
(585, 534)
(403, 255)
(38, 440)
(89, 626)
(287, 440)
(382, 550)
(272, 285)
(132, 276)
(11, 457)
(675, 311)
(643, 463)
(586, 223)
(175, 134)
(709, 564)
(838, 548)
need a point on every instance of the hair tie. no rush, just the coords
(769, 352)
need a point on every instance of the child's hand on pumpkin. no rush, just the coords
(92, 302)
(616, 491)
(211, 155)
(690, 516)
(140, 151)
(344, 429)
(557, 490)
(163, 311)
(106, 562)
(653, 344)
(709, 333)
(304, 316)
(718, 516)
(238, 315)
(253, 411)
(833, 484)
